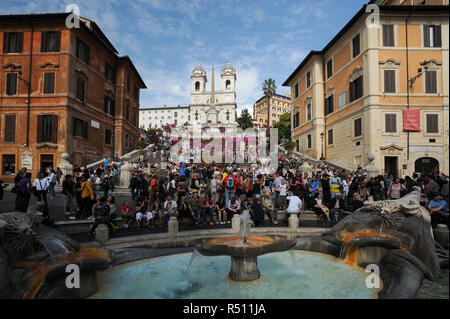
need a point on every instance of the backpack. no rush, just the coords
(230, 182)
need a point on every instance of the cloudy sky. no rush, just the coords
(167, 38)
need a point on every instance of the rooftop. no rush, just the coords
(162, 107)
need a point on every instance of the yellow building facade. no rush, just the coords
(352, 98)
(278, 105)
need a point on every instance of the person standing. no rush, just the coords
(395, 189)
(52, 180)
(68, 192)
(326, 191)
(59, 174)
(269, 208)
(24, 192)
(87, 197)
(133, 186)
(230, 187)
(41, 185)
(277, 184)
(214, 189)
(20, 174)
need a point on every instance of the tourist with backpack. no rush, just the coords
(230, 187)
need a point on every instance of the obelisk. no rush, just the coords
(212, 113)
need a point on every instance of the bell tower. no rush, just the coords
(198, 79)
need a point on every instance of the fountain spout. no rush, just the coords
(245, 224)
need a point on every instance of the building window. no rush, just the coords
(197, 86)
(432, 36)
(329, 68)
(228, 85)
(342, 99)
(110, 73)
(388, 35)
(47, 128)
(127, 110)
(10, 128)
(432, 123)
(134, 118)
(329, 107)
(136, 93)
(389, 81)
(296, 117)
(80, 89)
(175, 122)
(108, 137)
(49, 83)
(126, 140)
(82, 51)
(356, 89)
(9, 164)
(308, 112)
(430, 82)
(11, 83)
(358, 127)
(80, 128)
(175, 114)
(109, 106)
(12, 42)
(309, 141)
(296, 90)
(390, 123)
(356, 46)
(308, 79)
(297, 146)
(50, 41)
(330, 137)
(128, 83)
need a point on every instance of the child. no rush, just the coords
(127, 214)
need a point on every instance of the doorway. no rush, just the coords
(391, 165)
(46, 162)
(425, 165)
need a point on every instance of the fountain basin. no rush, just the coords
(244, 252)
(235, 246)
(284, 275)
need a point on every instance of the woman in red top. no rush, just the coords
(127, 214)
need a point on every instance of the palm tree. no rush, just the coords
(269, 88)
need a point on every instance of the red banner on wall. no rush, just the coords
(411, 120)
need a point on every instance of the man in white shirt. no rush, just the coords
(295, 205)
(170, 207)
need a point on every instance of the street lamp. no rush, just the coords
(321, 138)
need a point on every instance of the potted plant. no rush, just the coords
(290, 146)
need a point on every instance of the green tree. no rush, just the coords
(141, 144)
(269, 88)
(245, 120)
(284, 126)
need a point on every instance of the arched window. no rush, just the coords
(197, 86)
(228, 84)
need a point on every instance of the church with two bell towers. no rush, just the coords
(213, 107)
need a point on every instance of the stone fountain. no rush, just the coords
(243, 249)
(395, 235)
(34, 257)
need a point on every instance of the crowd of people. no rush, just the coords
(211, 194)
